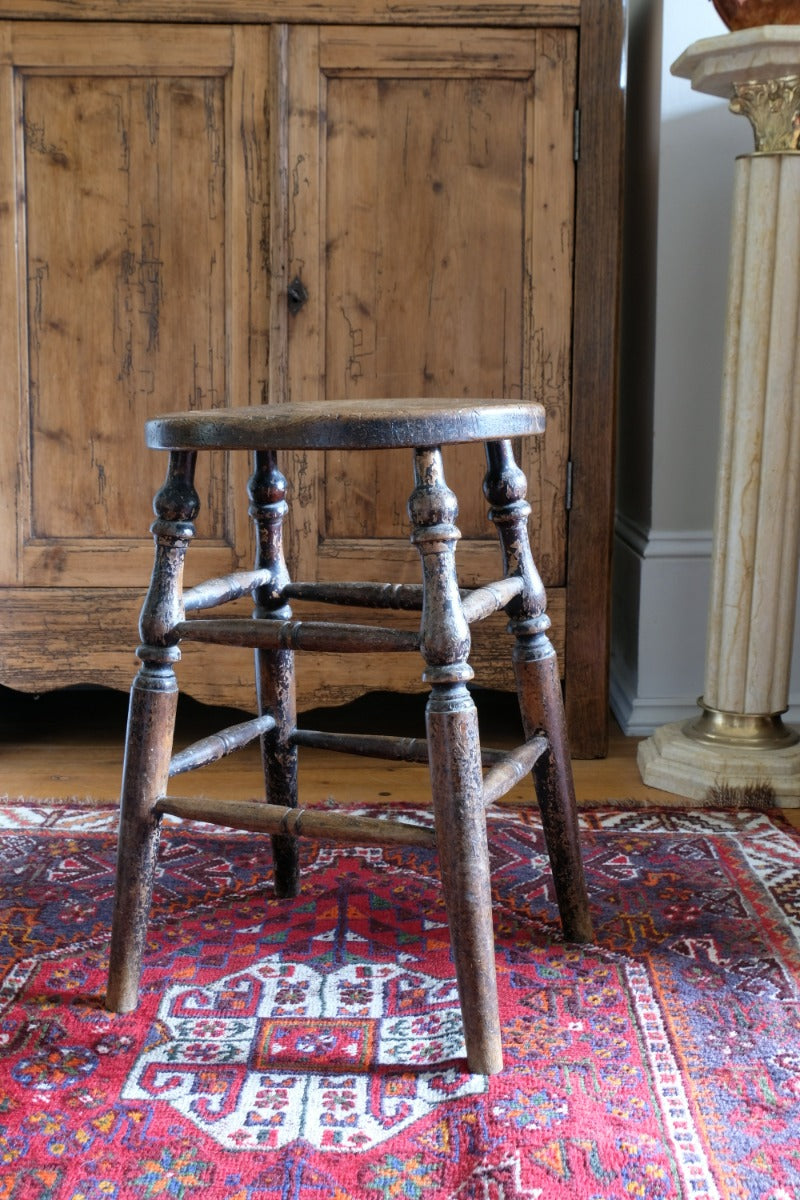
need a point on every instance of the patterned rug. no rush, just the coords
(311, 1050)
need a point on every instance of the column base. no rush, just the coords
(720, 776)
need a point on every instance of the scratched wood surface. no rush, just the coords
(414, 12)
(431, 219)
(124, 162)
(146, 250)
(142, 153)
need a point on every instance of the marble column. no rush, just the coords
(738, 751)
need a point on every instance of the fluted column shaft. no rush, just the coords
(757, 520)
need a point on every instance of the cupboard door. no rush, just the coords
(429, 214)
(134, 204)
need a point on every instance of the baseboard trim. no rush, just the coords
(638, 716)
(663, 543)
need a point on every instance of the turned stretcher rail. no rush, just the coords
(214, 747)
(407, 596)
(506, 767)
(297, 822)
(318, 636)
(511, 768)
(484, 601)
(224, 589)
(478, 602)
(368, 745)
(379, 745)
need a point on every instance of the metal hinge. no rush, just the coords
(576, 135)
(568, 488)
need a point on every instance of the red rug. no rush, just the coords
(312, 1050)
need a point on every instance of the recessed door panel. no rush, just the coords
(430, 218)
(141, 176)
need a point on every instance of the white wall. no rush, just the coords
(680, 154)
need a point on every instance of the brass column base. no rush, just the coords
(732, 766)
(760, 731)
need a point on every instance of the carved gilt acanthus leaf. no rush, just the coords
(773, 109)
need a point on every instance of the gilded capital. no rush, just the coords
(772, 106)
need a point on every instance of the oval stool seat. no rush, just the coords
(347, 425)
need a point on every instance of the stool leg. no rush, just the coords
(275, 668)
(455, 765)
(151, 722)
(539, 690)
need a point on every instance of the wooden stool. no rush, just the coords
(452, 748)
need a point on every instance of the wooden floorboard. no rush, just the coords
(69, 746)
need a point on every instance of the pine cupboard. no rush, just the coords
(208, 204)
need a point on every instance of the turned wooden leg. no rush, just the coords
(539, 690)
(151, 722)
(275, 668)
(455, 766)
